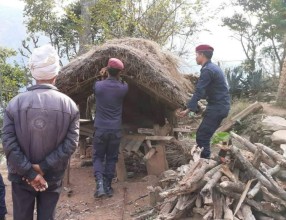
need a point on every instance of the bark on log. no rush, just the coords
(240, 116)
(211, 172)
(183, 204)
(197, 174)
(255, 173)
(206, 192)
(276, 156)
(179, 190)
(228, 214)
(247, 213)
(233, 187)
(257, 157)
(218, 205)
(226, 171)
(257, 187)
(252, 203)
(272, 198)
(168, 206)
(265, 158)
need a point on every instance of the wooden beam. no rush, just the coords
(159, 138)
(240, 116)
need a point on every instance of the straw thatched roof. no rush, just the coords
(147, 67)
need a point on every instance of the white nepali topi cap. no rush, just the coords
(44, 63)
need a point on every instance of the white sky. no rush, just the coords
(226, 48)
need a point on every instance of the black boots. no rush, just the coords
(107, 187)
(99, 189)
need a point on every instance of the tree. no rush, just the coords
(270, 25)
(281, 95)
(168, 22)
(12, 77)
(248, 35)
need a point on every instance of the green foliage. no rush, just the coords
(262, 23)
(220, 137)
(243, 83)
(12, 77)
(162, 21)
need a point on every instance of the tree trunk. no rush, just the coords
(281, 95)
(85, 34)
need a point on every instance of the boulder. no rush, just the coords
(279, 137)
(273, 123)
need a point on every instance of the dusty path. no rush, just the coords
(270, 109)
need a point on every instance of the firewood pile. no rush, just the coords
(247, 184)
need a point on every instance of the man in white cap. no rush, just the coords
(40, 133)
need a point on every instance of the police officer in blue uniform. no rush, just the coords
(212, 86)
(109, 95)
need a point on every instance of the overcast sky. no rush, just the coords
(226, 48)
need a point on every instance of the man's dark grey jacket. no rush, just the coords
(41, 126)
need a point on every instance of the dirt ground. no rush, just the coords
(81, 205)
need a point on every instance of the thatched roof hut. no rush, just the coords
(156, 86)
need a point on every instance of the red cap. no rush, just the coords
(115, 64)
(204, 47)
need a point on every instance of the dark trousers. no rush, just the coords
(207, 128)
(105, 148)
(24, 199)
(3, 209)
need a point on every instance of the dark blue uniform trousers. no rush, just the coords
(24, 198)
(105, 148)
(3, 209)
(210, 123)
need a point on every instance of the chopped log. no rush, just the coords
(247, 213)
(243, 196)
(224, 179)
(209, 215)
(272, 207)
(211, 172)
(257, 157)
(198, 173)
(179, 190)
(202, 211)
(218, 205)
(206, 192)
(184, 202)
(145, 215)
(233, 187)
(184, 130)
(159, 138)
(226, 171)
(149, 154)
(168, 205)
(196, 153)
(148, 143)
(256, 188)
(263, 217)
(240, 116)
(272, 198)
(276, 156)
(199, 201)
(228, 214)
(146, 131)
(254, 204)
(265, 158)
(269, 177)
(255, 173)
(283, 148)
